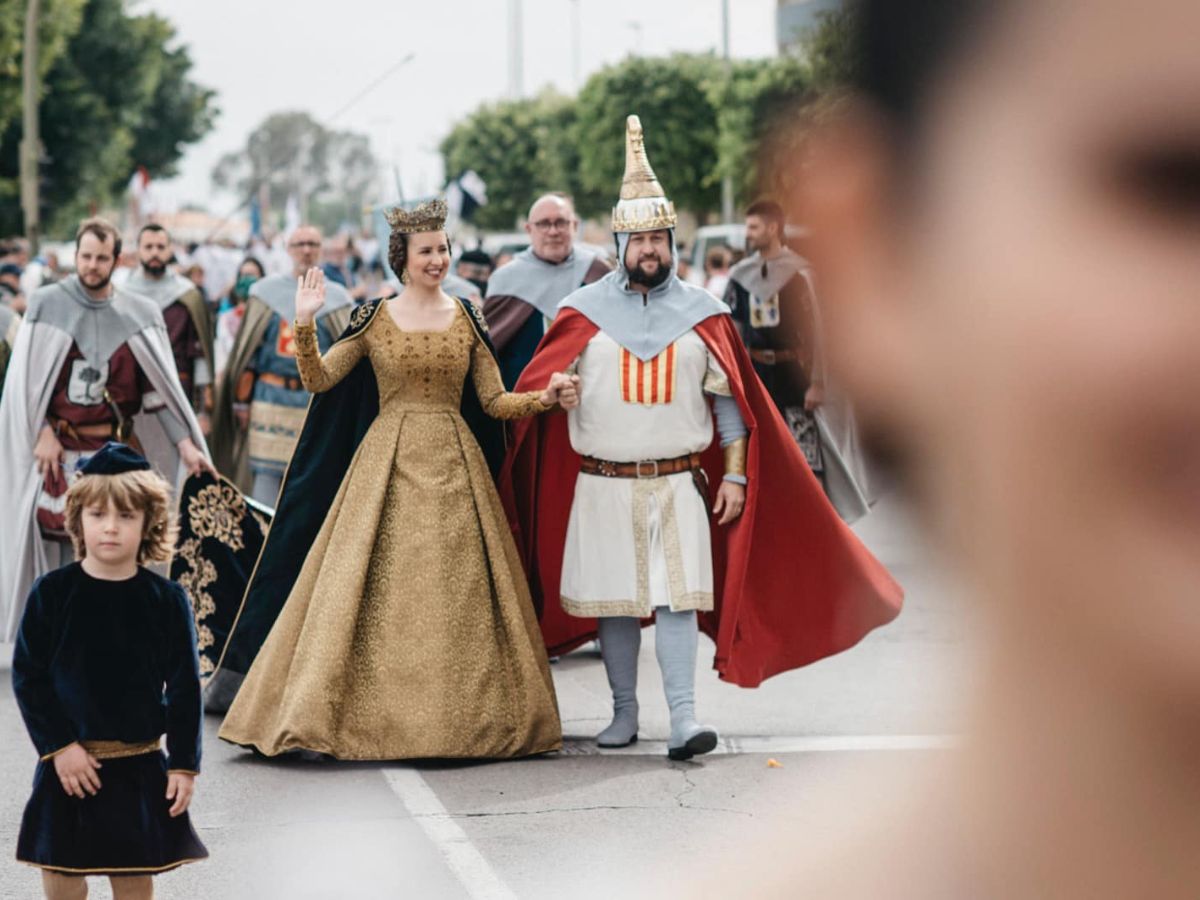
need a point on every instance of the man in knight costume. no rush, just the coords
(523, 295)
(675, 491)
(774, 303)
(261, 401)
(188, 318)
(91, 363)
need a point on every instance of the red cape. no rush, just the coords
(793, 583)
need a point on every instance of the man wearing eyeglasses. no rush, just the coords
(261, 401)
(523, 296)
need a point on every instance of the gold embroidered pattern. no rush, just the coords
(195, 580)
(216, 512)
(360, 316)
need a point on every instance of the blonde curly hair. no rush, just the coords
(144, 491)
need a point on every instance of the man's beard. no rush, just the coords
(639, 275)
(99, 286)
(155, 267)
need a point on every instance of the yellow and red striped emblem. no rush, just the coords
(648, 383)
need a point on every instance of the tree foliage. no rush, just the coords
(332, 174)
(116, 95)
(672, 98)
(702, 120)
(520, 148)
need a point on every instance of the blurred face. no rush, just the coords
(154, 252)
(428, 258)
(648, 257)
(110, 535)
(95, 261)
(760, 234)
(1026, 321)
(249, 270)
(551, 229)
(304, 247)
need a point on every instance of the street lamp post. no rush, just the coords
(31, 142)
(516, 51)
(727, 181)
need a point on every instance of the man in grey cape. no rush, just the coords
(91, 363)
(772, 298)
(523, 296)
(188, 319)
(261, 401)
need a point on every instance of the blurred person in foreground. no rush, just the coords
(523, 295)
(260, 398)
(1009, 211)
(92, 363)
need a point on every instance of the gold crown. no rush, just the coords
(429, 216)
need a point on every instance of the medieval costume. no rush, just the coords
(10, 322)
(110, 665)
(262, 382)
(610, 502)
(407, 631)
(522, 301)
(220, 536)
(93, 370)
(776, 309)
(190, 330)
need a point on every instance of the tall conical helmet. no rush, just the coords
(643, 205)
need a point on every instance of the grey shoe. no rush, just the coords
(621, 638)
(676, 636)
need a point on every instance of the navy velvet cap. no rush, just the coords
(114, 459)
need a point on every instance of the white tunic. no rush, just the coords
(637, 543)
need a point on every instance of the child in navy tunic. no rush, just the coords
(105, 664)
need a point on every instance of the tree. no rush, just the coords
(116, 96)
(829, 48)
(672, 97)
(330, 173)
(757, 106)
(520, 148)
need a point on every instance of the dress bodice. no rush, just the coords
(416, 369)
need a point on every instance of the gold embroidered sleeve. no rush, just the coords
(496, 402)
(321, 373)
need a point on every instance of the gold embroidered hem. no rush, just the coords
(120, 749)
(274, 430)
(410, 633)
(699, 601)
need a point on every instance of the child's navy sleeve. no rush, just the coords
(45, 718)
(184, 714)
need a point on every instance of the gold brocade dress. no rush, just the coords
(410, 632)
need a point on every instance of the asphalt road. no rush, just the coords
(582, 823)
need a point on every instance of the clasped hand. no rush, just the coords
(563, 390)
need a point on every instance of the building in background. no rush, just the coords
(794, 17)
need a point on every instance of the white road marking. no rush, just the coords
(481, 881)
(468, 865)
(781, 744)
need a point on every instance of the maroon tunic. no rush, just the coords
(185, 343)
(79, 399)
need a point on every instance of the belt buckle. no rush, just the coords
(647, 462)
(768, 357)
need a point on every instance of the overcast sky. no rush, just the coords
(265, 56)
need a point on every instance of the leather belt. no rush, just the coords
(291, 384)
(772, 357)
(647, 468)
(63, 428)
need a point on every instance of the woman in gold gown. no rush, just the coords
(409, 631)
